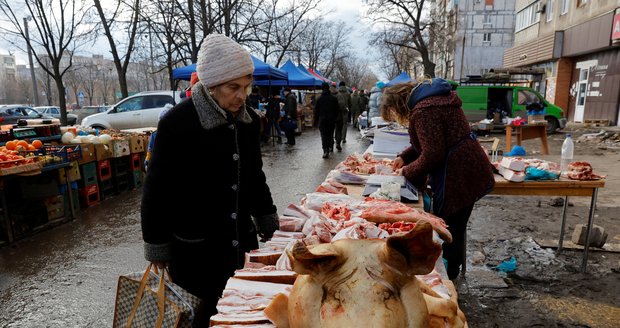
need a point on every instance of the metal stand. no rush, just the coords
(561, 242)
(584, 263)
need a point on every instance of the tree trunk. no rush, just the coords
(62, 101)
(429, 65)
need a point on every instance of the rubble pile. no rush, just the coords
(602, 138)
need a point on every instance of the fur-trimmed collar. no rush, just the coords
(211, 115)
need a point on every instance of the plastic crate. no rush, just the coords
(52, 154)
(68, 153)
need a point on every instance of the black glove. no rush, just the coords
(266, 225)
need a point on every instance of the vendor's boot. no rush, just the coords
(325, 154)
(338, 147)
(279, 140)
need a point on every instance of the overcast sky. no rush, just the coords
(349, 11)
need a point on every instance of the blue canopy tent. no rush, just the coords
(184, 73)
(402, 78)
(262, 72)
(296, 78)
(303, 69)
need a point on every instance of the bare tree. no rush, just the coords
(18, 90)
(394, 58)
(113, 21)
(351, 69)
(408, 17)
(289, 28)
(56, 38)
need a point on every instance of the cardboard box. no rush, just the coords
(55, 206)
(73, 171)
(136, 144)
(120, 147)
(102, 152)
(532, 119)
(88, 153)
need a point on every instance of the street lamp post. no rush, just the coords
(32, 75)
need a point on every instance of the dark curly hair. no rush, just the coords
(395, 99)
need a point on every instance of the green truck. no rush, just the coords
(482, 101)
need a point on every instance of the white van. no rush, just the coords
(138, 111)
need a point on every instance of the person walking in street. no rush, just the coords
(273, 118)
(183, 228)
(290, 112)
(356, 107)
(444, 149)
(325, 113)
(344, 103)
(374, 102)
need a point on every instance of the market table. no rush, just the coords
(562, 187)
(525, 132)
(356, 192)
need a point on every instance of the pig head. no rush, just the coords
(359, 283)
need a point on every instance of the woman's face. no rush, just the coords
(232, 94)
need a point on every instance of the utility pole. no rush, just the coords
(32, 76)
(464, 36)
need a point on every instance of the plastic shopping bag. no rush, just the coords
(148, 299)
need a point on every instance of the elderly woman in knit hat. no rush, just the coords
(205, 196)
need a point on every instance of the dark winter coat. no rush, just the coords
(290, 106)
(326, 109)
(441, 144)
(357, 104)
(273, 109)
(344, 102)
(204, 181)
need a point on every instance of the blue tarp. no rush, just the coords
(303, 69)
(262, 71)
(402, 78)
(296, 78)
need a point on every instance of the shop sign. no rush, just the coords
(615, 33)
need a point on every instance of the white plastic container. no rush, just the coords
(568, 148)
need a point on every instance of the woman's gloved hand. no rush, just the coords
(266, 225)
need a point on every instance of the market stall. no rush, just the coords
(336, 217)
(562, 187)
(48, 174)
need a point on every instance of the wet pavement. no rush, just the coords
(66, 276)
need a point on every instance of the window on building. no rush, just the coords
(487, 21)
(564, 6)
(549, 10)
(581, 3)
(528, 16)
(486, 37)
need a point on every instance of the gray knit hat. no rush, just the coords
(220, 59)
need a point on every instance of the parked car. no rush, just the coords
(87, 111)
(54, 111)
(138, 111)
(510, 101)
(11, 114)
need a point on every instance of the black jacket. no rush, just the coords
(326, 109)
(204, 181)
(290, 106)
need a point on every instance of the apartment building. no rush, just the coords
(7, 76)
(577, 42)
(484, 29)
